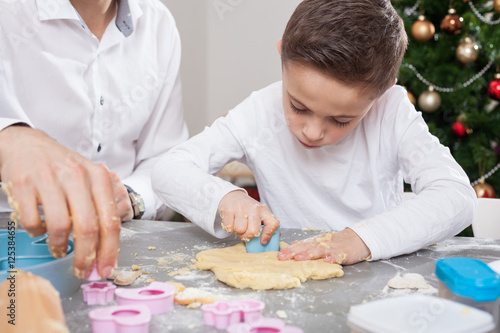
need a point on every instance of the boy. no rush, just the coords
(329, 147)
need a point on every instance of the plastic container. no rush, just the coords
(418, 313)
(32, 255)
(472, 282)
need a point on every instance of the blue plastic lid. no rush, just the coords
(470, 278)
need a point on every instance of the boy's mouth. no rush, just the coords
(308, 146)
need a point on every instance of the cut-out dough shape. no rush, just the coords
(261, 271)
(408, 281)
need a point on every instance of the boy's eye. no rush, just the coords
(296, 109)
(340, 123)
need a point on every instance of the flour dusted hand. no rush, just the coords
(344, 248)
(244, 216)
(76, 195)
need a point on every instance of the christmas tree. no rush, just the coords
(452, 73)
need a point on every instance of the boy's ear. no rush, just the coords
(280, 42)
(395, 81)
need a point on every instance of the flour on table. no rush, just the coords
(261, 271)
(408, 281)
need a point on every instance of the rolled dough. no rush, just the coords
(260, 271)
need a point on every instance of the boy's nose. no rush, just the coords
(314, 131)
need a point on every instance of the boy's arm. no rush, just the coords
(445, 202)
(184, 178)
(444, 205)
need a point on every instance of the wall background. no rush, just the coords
(228, 51)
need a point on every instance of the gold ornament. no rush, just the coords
(429, 101)
(484, 190)
(412, 98)
(422, 30)
(468, 51)
(496, 5)
(452, 23)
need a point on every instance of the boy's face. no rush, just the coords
(320, 110)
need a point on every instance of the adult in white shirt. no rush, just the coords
(329, 147)
(90, 97)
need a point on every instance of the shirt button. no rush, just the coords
(102, 101)
(99, 148)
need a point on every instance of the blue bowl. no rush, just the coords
(32, 255)
(254, 245)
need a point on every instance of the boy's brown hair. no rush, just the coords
(358, 42)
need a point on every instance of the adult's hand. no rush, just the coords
(344, 248)
(75, 194)
(122, 199)
(244, 216)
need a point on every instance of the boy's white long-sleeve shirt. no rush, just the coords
(356, 183)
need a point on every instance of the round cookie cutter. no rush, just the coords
(158, 296)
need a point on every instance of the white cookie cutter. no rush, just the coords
(158, 296)
(121, 319)
(222, 314)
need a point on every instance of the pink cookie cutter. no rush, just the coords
(223, 314)
(121, 319)
(274, 325)
(98, 292)
(94, 274)
(158, 296)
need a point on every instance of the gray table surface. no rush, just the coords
(316, 306)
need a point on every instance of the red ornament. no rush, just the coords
(484, 190)
(459, 129)
(494, 88)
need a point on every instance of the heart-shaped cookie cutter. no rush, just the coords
(158, 296)
(98, 292)
(222, 314)
(121, 319)
(254, 245)
(274, 325)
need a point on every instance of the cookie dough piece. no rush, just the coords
(194, 295)
(177, 285)
(408, 281)
(124, 278)
(262, 271)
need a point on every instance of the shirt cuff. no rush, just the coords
(6, 122)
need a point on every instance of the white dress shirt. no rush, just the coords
(116, 101)
(356, 183)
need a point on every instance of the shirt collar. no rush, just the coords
(126, 17)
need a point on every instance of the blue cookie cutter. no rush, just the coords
(32, 255)
(254, 245)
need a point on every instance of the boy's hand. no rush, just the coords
(344, 248)
(244, 216)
